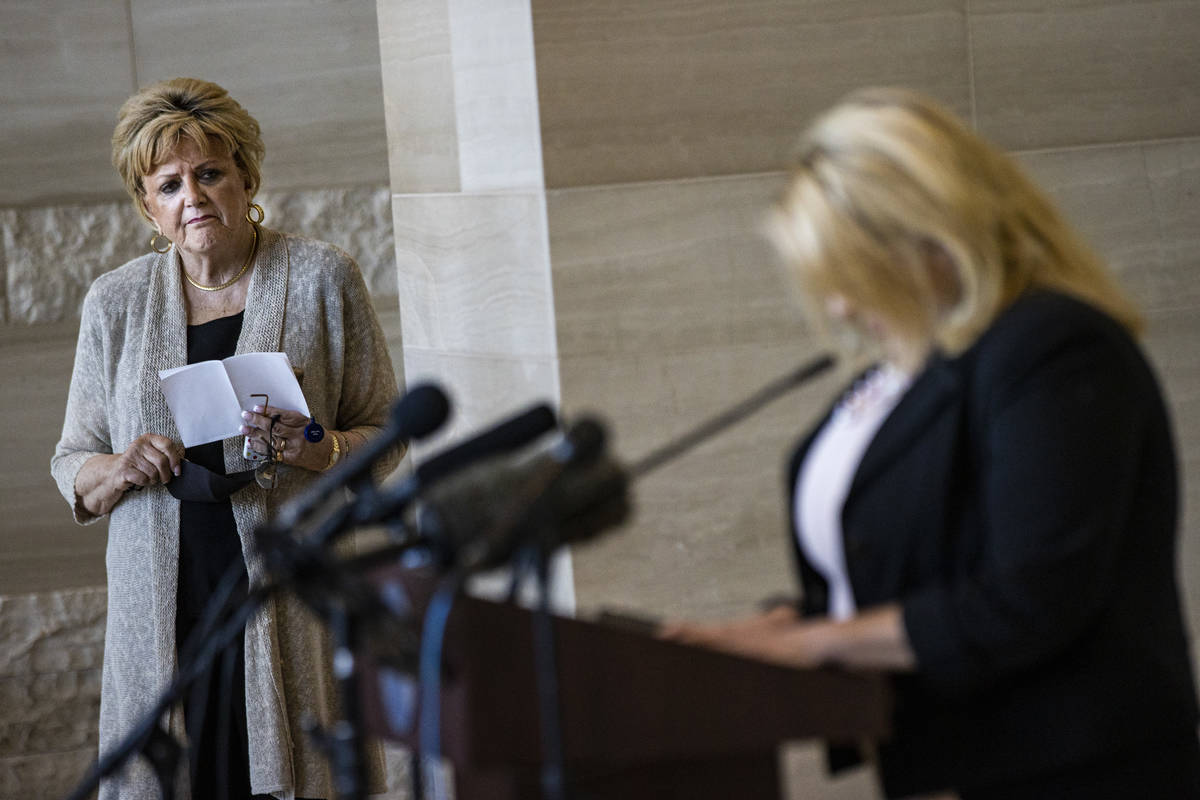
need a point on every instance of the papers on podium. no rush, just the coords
(207, 398)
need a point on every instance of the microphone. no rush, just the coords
(567, 492)
(474, 517)
(751, 405)
(514, 432)
(511, 434)
(420, 412)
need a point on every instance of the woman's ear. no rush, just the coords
(943, 273)
(141, 203)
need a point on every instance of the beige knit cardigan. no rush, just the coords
(307, 299)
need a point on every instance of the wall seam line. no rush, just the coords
(133, 70)
(970, 65)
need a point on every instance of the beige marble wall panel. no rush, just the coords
(667, 267)
(634, 91)
(1051, 74)
(309, 72)
(806, 776)
(418, 94)
(495, 94)
(1173, 169)
(42, 546)
(1138, 205)
(671, 308)
(474, 274)
(388, 311)
(66, 68)
(709, 533)
(1106, 194)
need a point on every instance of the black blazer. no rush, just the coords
(1020, 503)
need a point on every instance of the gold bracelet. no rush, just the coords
(334, 454)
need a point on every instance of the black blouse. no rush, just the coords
(208, 539)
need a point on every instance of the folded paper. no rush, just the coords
(207, 398)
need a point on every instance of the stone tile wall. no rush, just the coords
(309, 72)
(662, 129)
(634, 91)
(51, 651)
(616, 193)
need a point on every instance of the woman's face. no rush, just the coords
(199, 201)
(896, 348)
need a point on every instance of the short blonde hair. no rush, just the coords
(887, 179)
(154, 121)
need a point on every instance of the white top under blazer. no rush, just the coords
(828, 470)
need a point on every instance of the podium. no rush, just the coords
(641, 717)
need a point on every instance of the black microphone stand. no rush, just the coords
(714, 425)
(545, 660)
(343, 742)
(338, 593)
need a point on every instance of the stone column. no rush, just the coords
(469, 210)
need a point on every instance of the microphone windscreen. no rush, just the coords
(421, 411)
(584, 441)
(507, 436)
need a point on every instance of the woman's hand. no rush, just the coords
(286, 437)
(874, 639)
(149, 460)
(779, 635)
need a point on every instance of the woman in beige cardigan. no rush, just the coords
(218, 283)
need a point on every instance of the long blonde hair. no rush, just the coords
(154, 121)
(887, 180)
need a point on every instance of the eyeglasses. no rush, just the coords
(266, 474)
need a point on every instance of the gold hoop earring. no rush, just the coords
(261, 214)
(156, 245)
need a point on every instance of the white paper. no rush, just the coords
(207, 399)
(265, 372)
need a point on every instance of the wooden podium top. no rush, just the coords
(625, 698)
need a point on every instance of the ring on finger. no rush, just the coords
(278, 443)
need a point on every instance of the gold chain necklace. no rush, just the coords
(235, 278)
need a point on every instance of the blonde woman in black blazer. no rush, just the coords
(1004, 540)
